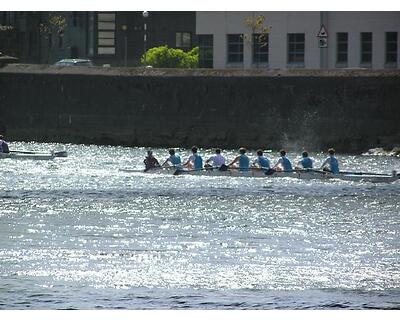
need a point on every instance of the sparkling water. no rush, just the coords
(78, 233)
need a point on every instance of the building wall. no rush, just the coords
(356, 22)
(222, 23)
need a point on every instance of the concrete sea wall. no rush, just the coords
(350, 110)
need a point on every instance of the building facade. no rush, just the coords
(116, 38)
(122, 37)
(45, 37)
(312, 40)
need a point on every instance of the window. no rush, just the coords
(260, 48)
(235, 48)
(206, 50)
(106, 33)
(342, 47)
(183, 40)
(391, 48)
(296, 47)
(366, 47)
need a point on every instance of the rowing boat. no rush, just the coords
(31, 155)
(297, 173)
(307, 174)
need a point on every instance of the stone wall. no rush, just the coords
(350, 110)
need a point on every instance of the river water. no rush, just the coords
(78, 233)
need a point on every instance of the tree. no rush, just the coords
(53, 24)
(256, 26)
(164, 57)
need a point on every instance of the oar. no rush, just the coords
(138, 170)
(272, 171)
(365, 173)
(146, 170)
(23, 151)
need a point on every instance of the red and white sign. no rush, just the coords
(322, 32)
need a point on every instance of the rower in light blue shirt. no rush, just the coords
(173, 159)
(331, 164)
(306, 162)
(241, 162)
(283, 163)
(261, 161)
(195, 161)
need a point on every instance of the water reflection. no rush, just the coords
(80, 225)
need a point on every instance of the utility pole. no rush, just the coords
(145, 16)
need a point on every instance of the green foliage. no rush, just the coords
(164, 57)
(55, 24)
(256, 25)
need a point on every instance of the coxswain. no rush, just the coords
(3, 145)
(150, 161)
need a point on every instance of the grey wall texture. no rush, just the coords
(351, 111)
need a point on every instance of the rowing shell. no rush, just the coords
(35, 156)
(32, 155)
(299, 174)
(261, 173)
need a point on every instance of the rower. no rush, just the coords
(3, 145)
(331, 164)
(261, 161)
(242, 159)
(195, 161)
(173, 159)
(306, 162)
(217, 160)
(283, 163)
(150, 161)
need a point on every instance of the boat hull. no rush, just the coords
(299, 174)
(25, 156)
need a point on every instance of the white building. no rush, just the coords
(312, 40)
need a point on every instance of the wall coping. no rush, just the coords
(158, 72)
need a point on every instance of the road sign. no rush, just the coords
(322, 32)
(323, 42)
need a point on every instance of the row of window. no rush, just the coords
(106, 28)
(296, 48)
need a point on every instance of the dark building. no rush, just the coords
(122, 37)
(8, 37)
(115, 38)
